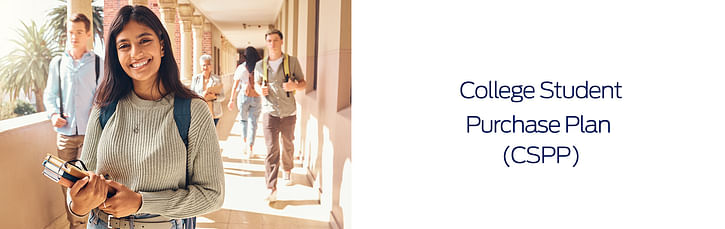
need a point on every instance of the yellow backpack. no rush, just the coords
(285, 63)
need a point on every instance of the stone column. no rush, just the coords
(196, 27)
(167, 8)
(226, 56)
(232, 57)
(185, 11)
(84, 7)
(221, 56)
(139, 2)
(232, 60)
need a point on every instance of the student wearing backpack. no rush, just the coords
(72, 81)
(151, 144)
(280, 76)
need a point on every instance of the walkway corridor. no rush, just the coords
(297, 206)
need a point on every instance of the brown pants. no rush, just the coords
(273, 126)
(69, 148)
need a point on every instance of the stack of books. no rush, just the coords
(63, 173)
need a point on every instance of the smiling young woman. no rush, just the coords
(139, 54)
(157, 175)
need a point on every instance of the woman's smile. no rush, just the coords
(137, 65)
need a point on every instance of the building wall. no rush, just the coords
(216, 43)
(206, 41)
(111, 7)
(29, 199)
(324, 114)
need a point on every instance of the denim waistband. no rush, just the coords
(142, 220)
(136, 216)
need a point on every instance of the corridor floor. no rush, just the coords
(297, 206)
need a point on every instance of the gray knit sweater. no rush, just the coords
(140, 147)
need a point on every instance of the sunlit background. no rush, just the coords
(15, 16)
(12, 13)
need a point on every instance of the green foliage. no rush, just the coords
(58, 23)
(25, 69)
(23, 108)
(6, 111)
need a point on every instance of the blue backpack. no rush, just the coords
(182, 117)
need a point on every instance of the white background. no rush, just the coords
(662, 166)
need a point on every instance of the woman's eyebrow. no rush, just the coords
(139, 36)
(143, 34)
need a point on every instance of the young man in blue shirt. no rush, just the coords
(72, 81)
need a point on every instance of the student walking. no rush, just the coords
(247, 99)
(72, 82)
(280, 76)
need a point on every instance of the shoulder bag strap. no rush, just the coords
(182, 116)
(97, 60)
(107, 112)
(60, 90)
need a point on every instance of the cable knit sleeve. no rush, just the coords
(204, 192)
(90, 146)
(90, 142)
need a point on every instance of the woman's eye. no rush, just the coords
(122, 46)
(144, 41)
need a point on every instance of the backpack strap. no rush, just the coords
(264, 69)
(97, 60)
(285, 64)
(182, 116)
(287, 71)
(60, 90)
(106, 113)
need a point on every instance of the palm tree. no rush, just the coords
(58, 22)
(25, 69)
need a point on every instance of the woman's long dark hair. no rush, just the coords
(117, 84)
(252, 57)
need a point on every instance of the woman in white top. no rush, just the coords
(209, 87)
(247, 100)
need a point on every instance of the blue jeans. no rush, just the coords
(250, 108)
(94, 222)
